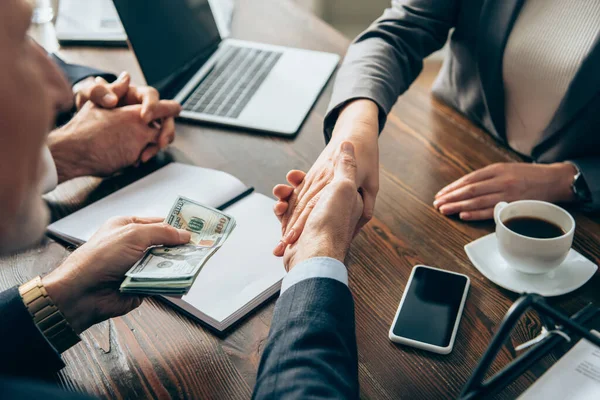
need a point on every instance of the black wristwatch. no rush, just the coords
(580, 188)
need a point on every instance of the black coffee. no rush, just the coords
(534, 227)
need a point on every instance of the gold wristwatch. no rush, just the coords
(47, 316)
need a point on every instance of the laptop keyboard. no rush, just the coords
(232, 82)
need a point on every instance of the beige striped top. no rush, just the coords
(547, 45)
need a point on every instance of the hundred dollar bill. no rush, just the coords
(178, 262)
(164, 287)
(209, 227)
(172, 270)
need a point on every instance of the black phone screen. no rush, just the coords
(431, 307)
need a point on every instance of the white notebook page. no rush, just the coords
(245, 266)
(151, 196)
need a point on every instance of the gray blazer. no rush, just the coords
(311, 349)
(385, 59)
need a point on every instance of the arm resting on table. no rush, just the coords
(384, 60)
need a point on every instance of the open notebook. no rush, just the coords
(240, 276)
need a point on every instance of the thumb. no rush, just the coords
(120, 87)
(345, 167)
(102, 96)
(160, 234)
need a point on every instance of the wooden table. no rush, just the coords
(155, 352)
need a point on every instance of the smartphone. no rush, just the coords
(429, 312)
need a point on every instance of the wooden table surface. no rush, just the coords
(154, 352)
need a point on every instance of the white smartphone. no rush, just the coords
(429, 312)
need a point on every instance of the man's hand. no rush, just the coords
(100, 142)
(122, 93)
(331, 225)
(474, 196)
(85, 288)
(358, 124)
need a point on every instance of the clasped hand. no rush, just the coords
(116, 125)
(357, 124)
(332, 223)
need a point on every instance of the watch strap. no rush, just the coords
(579, 186)
(47, 316)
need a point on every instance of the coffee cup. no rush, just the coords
(533, 255)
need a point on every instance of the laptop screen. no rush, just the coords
(166, 35)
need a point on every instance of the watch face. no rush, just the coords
(581, 190)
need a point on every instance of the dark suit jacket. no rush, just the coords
(27, 390)
(311, 349)
(75, 74)
(385, 59)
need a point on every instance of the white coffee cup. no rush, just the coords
(528, 254)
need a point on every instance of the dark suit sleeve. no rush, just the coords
(311, 349)
(75, 73)
(384, 60)
(24, 350)
(32, 390)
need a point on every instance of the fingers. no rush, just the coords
(149, 152)
(167, 133)
(166, 136)
(120, 87)
(479, 203)
(145, 220)
(368, 200)
(280, 208)
(478, 215)
(160, 110)
(282, 192)
(345, 170)
(476, 176)
(297, 180)
(149, 98)
(101, 94)
(470, 191)
(155, 234)
(123, 221)
(295, 177)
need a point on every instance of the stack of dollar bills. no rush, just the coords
(171, 271)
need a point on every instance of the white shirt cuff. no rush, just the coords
(317, 267)
(49, 176)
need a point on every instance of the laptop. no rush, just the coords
(229, 82)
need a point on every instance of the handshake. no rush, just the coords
(89, 288)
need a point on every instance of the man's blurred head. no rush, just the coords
(32, 90)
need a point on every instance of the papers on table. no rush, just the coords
(238, 278)
(89, 22)
(223, 12)
(575, 376)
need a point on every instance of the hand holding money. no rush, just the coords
(171, 271)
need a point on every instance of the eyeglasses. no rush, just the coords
(556, 329)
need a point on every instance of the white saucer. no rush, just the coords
(572, 273)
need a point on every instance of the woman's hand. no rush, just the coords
(330, 228)
(474, 196)
(85, 288)
(358, 124)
